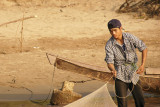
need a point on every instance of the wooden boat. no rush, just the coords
(149, 82)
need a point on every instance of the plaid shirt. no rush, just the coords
(124, 57)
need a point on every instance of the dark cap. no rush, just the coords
(114, 23)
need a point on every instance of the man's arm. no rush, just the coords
(144, 56)
(112, 69)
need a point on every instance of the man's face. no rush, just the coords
(116, 32)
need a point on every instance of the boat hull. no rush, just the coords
(149, 83)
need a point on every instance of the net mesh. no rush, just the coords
(98, 98)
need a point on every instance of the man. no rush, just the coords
(121, 59)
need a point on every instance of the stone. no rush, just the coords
(67, 86)
(65, 95)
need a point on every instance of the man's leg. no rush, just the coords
(137, 94)
(121, 91)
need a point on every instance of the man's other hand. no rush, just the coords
(114, 73)
(140, 69)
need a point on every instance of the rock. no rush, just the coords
(65, 95)
(67, 86)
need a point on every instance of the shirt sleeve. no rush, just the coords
(109, 55)
(138, 43)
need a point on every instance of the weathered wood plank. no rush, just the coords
(87, 70)
(153, 71)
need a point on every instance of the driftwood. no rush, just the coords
(21, 19)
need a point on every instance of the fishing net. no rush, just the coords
(101, 97)
(98, 98)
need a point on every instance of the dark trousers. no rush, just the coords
(121, 91)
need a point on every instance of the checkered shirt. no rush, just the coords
(124, 57)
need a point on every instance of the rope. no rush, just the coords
(82, 81)
(146, 83)
(115, 92)
(132, 87)
(79, 82)
(40, 101)
(43, 101)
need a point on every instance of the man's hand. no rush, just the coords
(112, 69)
(140, 69)
(114, 73)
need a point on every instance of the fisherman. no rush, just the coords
(121, 60)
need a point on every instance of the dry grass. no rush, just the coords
(143, 8)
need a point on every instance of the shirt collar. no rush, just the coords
(114, 40)
(124, 36)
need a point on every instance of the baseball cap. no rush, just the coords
(114, 23)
